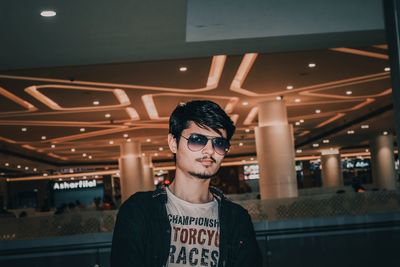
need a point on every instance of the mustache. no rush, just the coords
(206, 158)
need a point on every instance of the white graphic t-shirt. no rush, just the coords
(194, 232)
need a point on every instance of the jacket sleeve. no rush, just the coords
(129, 236)
(248, 251)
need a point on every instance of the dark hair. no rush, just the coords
(206, 114)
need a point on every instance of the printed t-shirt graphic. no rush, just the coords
(194, 232)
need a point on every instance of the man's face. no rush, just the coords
(203, 163)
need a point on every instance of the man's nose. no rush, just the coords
(208, 149)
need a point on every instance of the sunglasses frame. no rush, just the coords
(209, 138)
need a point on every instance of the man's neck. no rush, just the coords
(191, 189)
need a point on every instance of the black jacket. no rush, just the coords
(142, 233)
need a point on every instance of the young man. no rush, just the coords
(188, 223)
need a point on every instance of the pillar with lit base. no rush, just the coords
(148, 173)
(382, 162)
(131, 169)
(331, 168)
(275, 151)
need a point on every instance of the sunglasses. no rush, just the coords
(197, 142)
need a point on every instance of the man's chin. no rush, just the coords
(202, 176)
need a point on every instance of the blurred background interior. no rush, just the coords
(312, 86)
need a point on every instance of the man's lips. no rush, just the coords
(206, 161)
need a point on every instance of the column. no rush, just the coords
(331, 169)
(382, 162)
(131, 170)
(148, 173)
(392, 25)
(275, 151)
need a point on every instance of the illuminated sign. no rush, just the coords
(357, 164)
(74, 185)
(251, 172)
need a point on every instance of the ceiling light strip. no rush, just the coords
(58, 176)
(334, 118)
(18, 100)
(360, 52)
(216, 68)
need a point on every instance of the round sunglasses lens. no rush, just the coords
(197, 142)
(221, 145)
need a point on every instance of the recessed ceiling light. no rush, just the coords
(26, 168)
(34, 169)
(183, 69)
(84, 155)
(297, 123)
(278, 98)
(350, 132)
(251, 159)
(128, 140)
(247, 130)
(96, 176)
(19, 166)
(156, 154)
(297, 100)
(240, 144)
(349, 92)
(301, 120)
(289, 87)
(96, 102)
(72, 149)
(24, 129)
(367, 150)
(365, 126)
(90, 157)
(48, 13)
(108, 115)
(53, 146)
(111, 142)
(82, 129)
(126, 135)
(45, 174)
(6, 164)
(315, 145)
(160, 148)
(385, 133)
(148, 140)
(326, 141)
(386, 69)
(245, 103)
(299, 151)
(317, 111)
(44, 137)
(312, 65)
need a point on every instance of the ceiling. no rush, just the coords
(64, 107)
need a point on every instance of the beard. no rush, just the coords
(202, 176)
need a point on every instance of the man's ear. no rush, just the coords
(173, 146)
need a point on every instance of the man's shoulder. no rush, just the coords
(234, 207)
(138, 202)
(139, 197)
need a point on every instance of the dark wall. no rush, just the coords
(23, 193)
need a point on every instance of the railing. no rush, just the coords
(85, 222)
(329, 205)
(75, 223)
